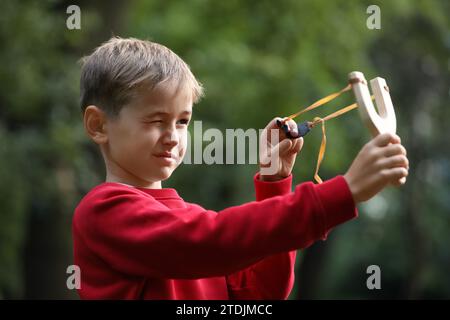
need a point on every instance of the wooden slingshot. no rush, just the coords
(377, 122)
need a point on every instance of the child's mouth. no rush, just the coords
(166, 157)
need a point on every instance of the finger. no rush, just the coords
(393, 149)
(270, 133)
(395, 161)
(384, 139)
(394, 174)
(292, 126)
(282, 147)
(273, 123)
(399, 182)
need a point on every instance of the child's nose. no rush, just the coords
(171, 136)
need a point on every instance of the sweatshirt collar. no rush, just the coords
(164, 193)
(161, 193)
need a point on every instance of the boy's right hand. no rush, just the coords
(382, 161)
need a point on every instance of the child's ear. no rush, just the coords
(95, 124)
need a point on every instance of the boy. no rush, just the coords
(136, 240)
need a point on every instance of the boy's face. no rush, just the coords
(148, 139)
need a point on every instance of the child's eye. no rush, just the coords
(184, 121)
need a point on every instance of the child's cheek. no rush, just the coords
(182, 147)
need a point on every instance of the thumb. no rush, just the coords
(297, 146)
(384, 139)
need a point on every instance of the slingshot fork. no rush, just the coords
(377, 122)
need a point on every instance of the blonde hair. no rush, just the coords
(111, 75)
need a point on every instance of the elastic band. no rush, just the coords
(317, 120)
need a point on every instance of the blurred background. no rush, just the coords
(257, 60)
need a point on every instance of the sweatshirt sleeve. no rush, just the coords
(273, 277)
(139, 236)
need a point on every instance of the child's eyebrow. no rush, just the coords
(162, 113)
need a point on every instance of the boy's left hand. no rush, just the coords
(277, 158)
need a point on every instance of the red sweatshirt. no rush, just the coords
(137, 243)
